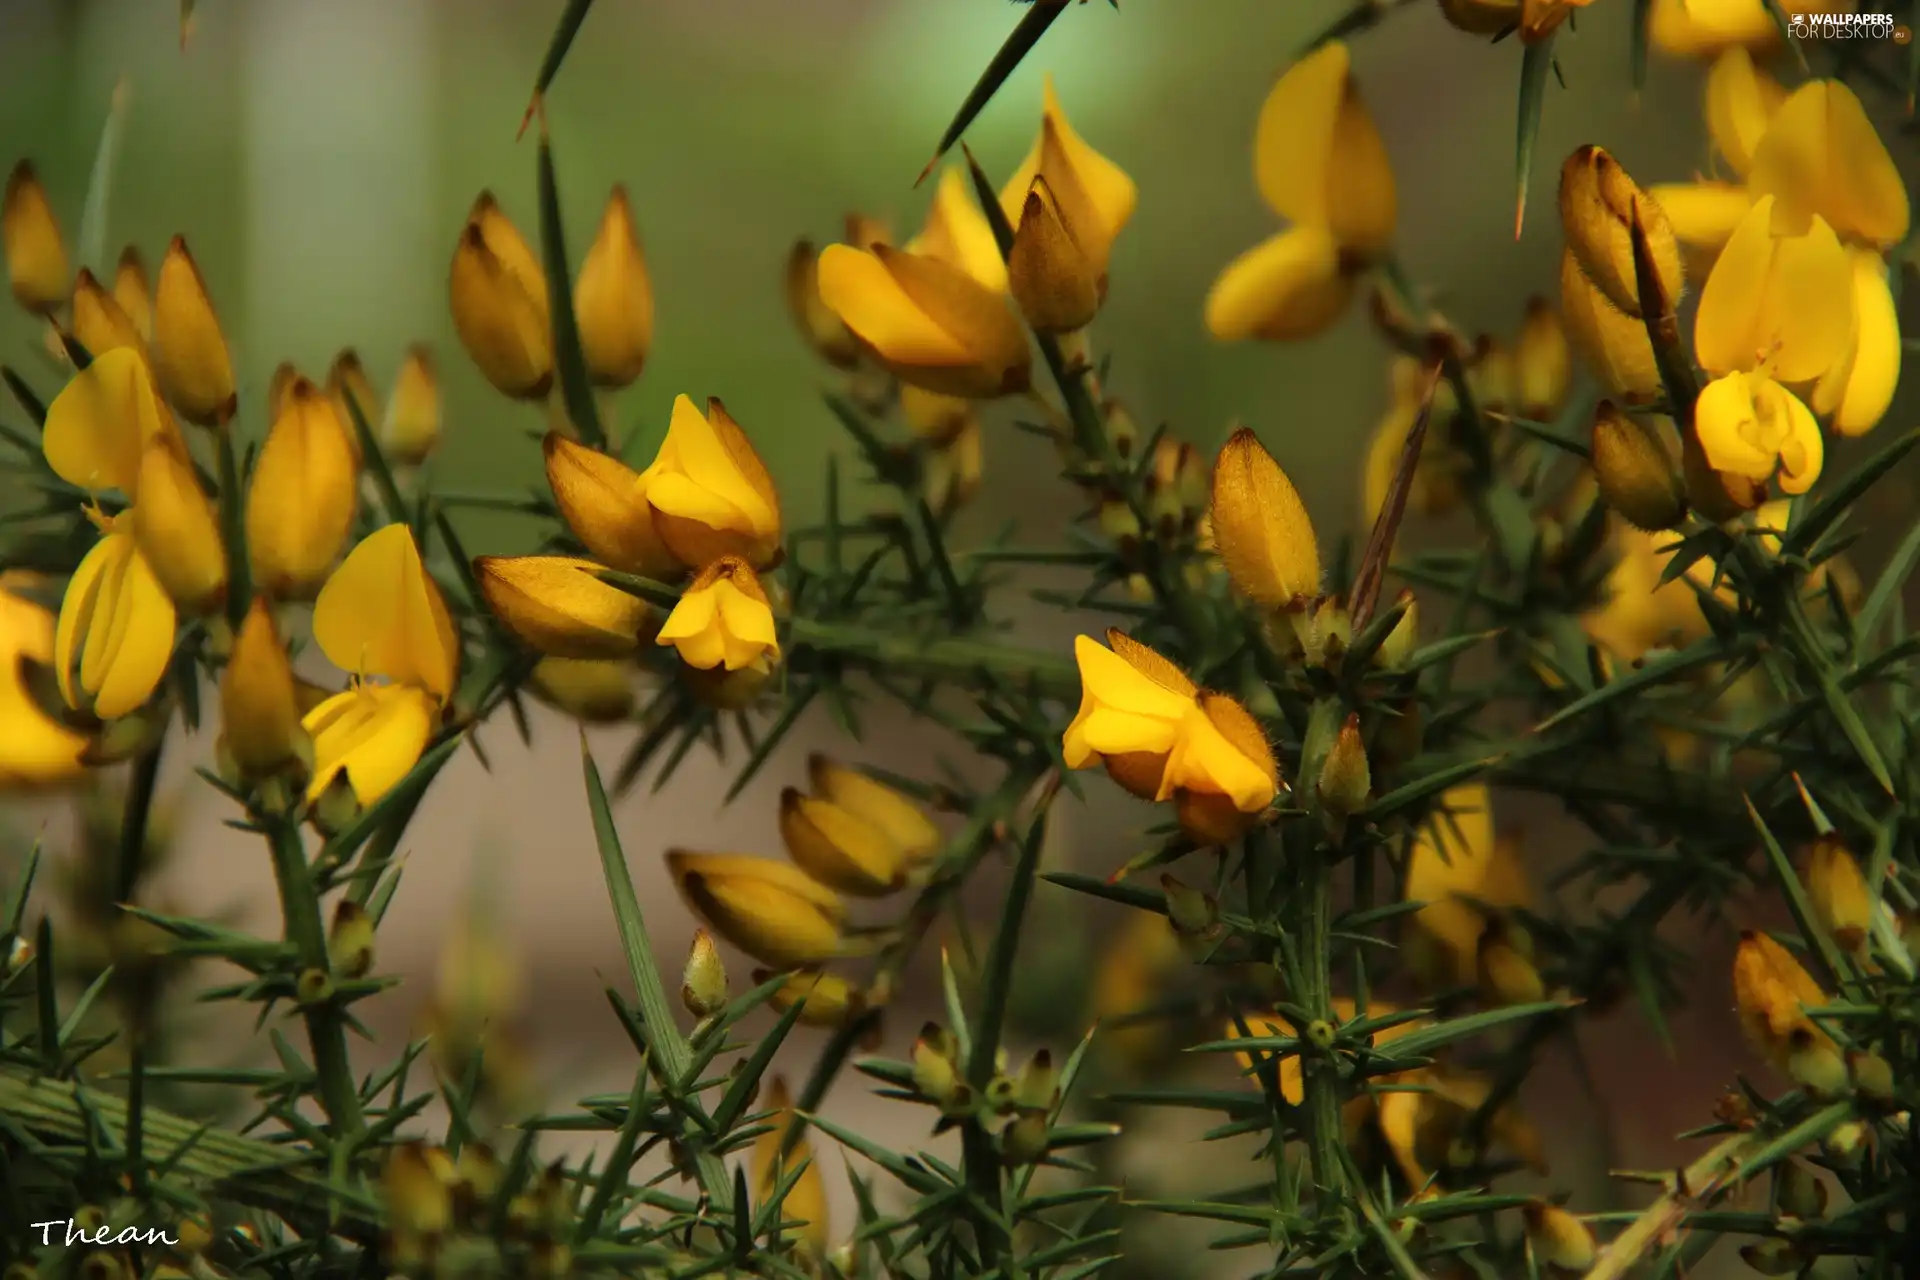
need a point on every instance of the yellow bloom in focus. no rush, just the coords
(1751, 426)
(381, 615)
(1599, 204)
(613, 298)
(177, 528)
(1318, 158)
(958, 234)
(1780, 299)
(723, 619)
(771, 910)
(498, 294)
(100, 324)
(1615, 345)
(1221, 773)
(604, 503)
(806, 1200)
(559, 606)
(1856, 392)
(1821, 154)
(302, 494)
(259, 702)
(411, 426)
(1772, 993)
(190, 357)
(839, 848)
(115, 634)
(99, 427)
(1095, 197)
(37, 265)
(35, 749)
(902, 821)
(710, 492)
(1260, 526)
(595, 690)
(131, 291)
(930, 323)
(1133, 705)
(1460, 869)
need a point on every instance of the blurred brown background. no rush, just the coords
(320, 158)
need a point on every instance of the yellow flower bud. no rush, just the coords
(1751, 426)
(703, 983)
(411, 426)
(1820, 154)
(131, 291)
(280, 389)
(838, 848)
(419, 1203)
(770, 910)
(723, 619)
(604, 503)
(37, 265)
(35, 749)
(1405, 636)
(1772, 993)
(1221, 772)
(302, 495)
(930, 324)
(1779, 300)
(1839, 893)
(99, 323)
(710, 492)
(1599, 204)
(498, 294)
(190, 357)
(1558, 1239)
(177, 528)
(1345, 778)
(1615, 345)
(824, 331)
(1635, 469)
(350, 940)
(558, 605)
(805, 1204)
(936, 1073)
(957, 233)
(597, 691)
(1318, 157)
(1287, 288)
(1260, 526)
(1542, 363)
(825, 1000)
(613, 298)
(115, 634)
(877, 804)
(260, 708)
(1054, 279)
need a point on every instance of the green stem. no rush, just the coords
(1049, 675)
(136, 817)
(1314, 992)
(326, 1027)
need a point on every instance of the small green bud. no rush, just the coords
(1872, 1077)
(1798, 1191)
(1000, 1094)
(1635, 470)
(1025, 1140)
(1194, 914)
(1772, 1257)
(313, 986)
(1405, 636)
(350, 940)
(1039, 1083)
(1320, 1034)
(1346, 779)
(703, 983)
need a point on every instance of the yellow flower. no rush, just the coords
(838, 848)
(1705, 28)
(1054, 277)
(259, 703)
(930, 323)
(604, 503)
(613, 298)
(35, 749)
(381, 615)
(99, 426)
(1780, 299)
(131, 291)
(902, 821)
(598, 691)
(1772, 993)
(710, 492)
(498, 294)
(99, 323)
(723, 619)
(1742, 102)
(1751, 426)
(1641, 612)
(1635, 469)
(411, 426)
(1704, 216)
(1133, 706)
(824, 331)
(1260, 526)
(1221, 773)
(1542, 363)
(37, 265)
(825, 1000)
(177, 529)
(703, 982)
(1838, 892)
(558, 605)
(958, 234)
(1289, 287)
(806, 1200)
(1133, 968)
(1460, 869)
(1318, 157)
(768, 909)
(1557, 1239)
(190, 357)
(302, 495)
(115, 635)
(1856, 392)
(1615, 345)
(1095, 198)
(1821, 154)
(1599, 203)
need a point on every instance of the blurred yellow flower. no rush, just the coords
(302, 494)
(1640, 611)
(710, 492)
(36, 750)
(1461, 869)
(1133, 968)
(1706, 28)
(1542, 363)
(1779, 299)
(498, 295)
(824, 331)
(839, 848)
(613, 298)
(595, 690)
(559, 606)
(115, 634)
(1838, 892)
(1821, 154)
(1772, 993)
(410, 428)
(99, 323)
(99, 426)
(769, 909)
(1437, 476)
(604, 503)
(190, 357)
(37, 264)
(930, 323)
(1751, 426)
(806, 1200)
(957, 233)
(903, 822)
(131, 291)
(259, 703)
(723, 619)
(1742, 102)
(1261, 529)
(177, 528)
(825, 1000)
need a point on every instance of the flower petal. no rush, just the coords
(1286, 288)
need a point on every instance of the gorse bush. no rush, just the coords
(1653, 625)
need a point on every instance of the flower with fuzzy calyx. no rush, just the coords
(1749, 425)
(1599, 204)
(190, 357)
(723, 619)
(177, 528)
(805, 1202)
(1635, 469)
(1857, 390)
(710, 493)
(928, 322)
(1053, 276)
(1261, 529)
(498, 295)
(37, 265)
(1821, 155)
(1461, 870)
(1221, 774)
(1772, 993)
(957, 233)
(114, 638)
(131, 291)
(302, 494)
(1616, 346)
(36, 750)
(769, 909)
(380, 616)
(613, 298)
(410, 428)
(604, 503)
(559, 606)
(260, 712)
(1779, 299)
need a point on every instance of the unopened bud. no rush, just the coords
(1058, 284)
(1405, 636)
(1345, 778)
(703, 984)
(1025, 1140)
(1839, 893)
(1872, 1077)
(1634, 469)
(613, 298)
(313, 987)
(934, 1073)
(1845, 1145)
(1815, 1061)
(1718, 496)
(1323, 631)
(190, 357)
(1122, 431)
(1194, 914)
(350, 940)
(37, 264)
(1039, 1083)
(1798, 1191)
(1118, 522)
(1558, 1238)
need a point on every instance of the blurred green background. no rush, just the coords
(320, 157)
